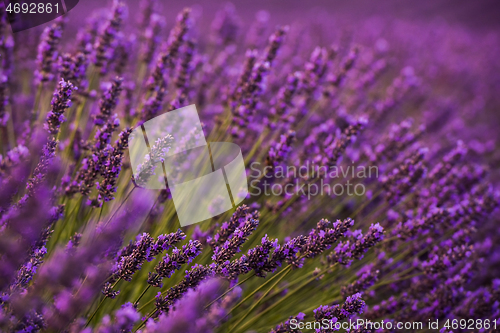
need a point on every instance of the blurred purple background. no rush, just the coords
(473, 14)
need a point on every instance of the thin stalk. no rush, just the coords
(100, 212)
(140, 296)
(146, 320)
(122, 203)
(95, 312)
(260, 287)
(282, 300)
(229, 290)
(258, 301)
(36, 105)
(100, 304)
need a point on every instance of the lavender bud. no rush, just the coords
(352, 305)
(60, 103)
(192, 279)
(107, 41)
(170, 263)
(231, 246)
(47, 51)
(147, 169)
(108, 102)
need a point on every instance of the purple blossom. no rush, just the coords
(106, 42)
(123, 321)
(61, 101)
(156, 155)
(192, 280)
(108, 102)
(357, 245)
(238, 219)
(352, 305)
(112, 167)
(322, 237)
(48, 51)
(170, 263)
(232, 245)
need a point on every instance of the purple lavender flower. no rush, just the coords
(23, 233)
(232, 245)
(250, 60)
(270, 255)
(37, 252)
(189, 314)
(47, 51)
(280, 151)
(122, 54)
(231, 270)
(336, 80)
(128, 265)
(106, 42)
(166, 60)
(352, 305)
(170, 263)
(356, 247)
(112, 167)
(157, 154)
(108, 102)
(74, 68)
(152, 36)
(93, 165)
(258, 257)
(286, 326)
(60, 103)
(226, 26)
(237, 220)
(165, 242)
(334, 151)
(4, 101)
(192, 279)
(364, 281)
(13, 157)
(185, 68)
(284, 102)
(322, 237)
(123, 321)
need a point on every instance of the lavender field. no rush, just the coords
(370, 146)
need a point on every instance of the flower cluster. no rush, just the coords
(84, 248)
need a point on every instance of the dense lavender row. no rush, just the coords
(83, 248)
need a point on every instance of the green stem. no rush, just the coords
(146, 320)
(122, 203)
(287, 270)
(229, 290)
(95, 312)
(258, 289)
(36, 105)
(139, 298)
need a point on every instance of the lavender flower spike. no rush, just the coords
(232, 245)
(112, 168)
(352, 305)
(238, 219)
(147, 169)
(60, 103)
(170, 263)
(356, 247)
(192, 279)
(322, 237)
(108, 102)
(106, 42)
(47, 51)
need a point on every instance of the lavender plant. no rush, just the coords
(83, 248)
